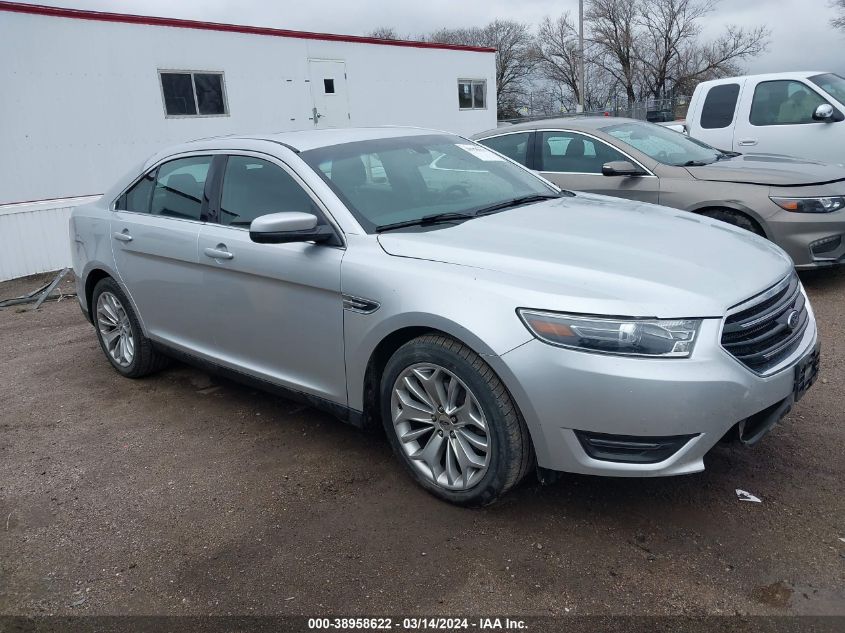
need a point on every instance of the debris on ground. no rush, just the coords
(744, 495)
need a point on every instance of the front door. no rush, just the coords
(154, 231)
(275, 309)
(776, 117)
(328, 93)
(574, 161)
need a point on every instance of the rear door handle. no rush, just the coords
(218, 253)
(122, 237)
(747, 142)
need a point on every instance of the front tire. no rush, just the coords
(452, 423)
(119, 332)
(735, 218)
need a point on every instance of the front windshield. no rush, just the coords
(834, 85)
(401, 179)
(663, 145)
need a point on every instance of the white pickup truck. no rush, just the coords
(799, 114)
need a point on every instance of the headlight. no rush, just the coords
(628, 337)
(827, 204)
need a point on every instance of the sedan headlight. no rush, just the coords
(668, 338)
(827, 204)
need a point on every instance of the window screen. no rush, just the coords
(784, 102)
(179, 187)
(253, 187)
(193, 93)
(472, 94)
(514, 146)
(719, 107)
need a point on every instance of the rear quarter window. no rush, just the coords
(719, 106)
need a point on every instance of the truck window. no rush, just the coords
(719, 106)
(784, 102)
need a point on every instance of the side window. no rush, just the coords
(179, 187)
(574, 153)
(719, 107)
(253, 187)
(514, 146)
(784, 102)
(137, 198)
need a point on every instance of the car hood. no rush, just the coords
(601, 255)
(769, 169)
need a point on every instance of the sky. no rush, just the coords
(802, 38)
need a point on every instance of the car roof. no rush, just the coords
(798, 74)
(298, 141)
(586, 123)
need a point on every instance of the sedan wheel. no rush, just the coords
(440, 426)
(115, 329)
(452, 423)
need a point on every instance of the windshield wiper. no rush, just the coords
(725, 155)
(426, 220)
(515, 202)
(697, 163)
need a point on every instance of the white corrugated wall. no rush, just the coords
(34, 236)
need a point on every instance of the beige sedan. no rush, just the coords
(796, 203)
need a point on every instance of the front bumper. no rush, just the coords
(810, 239)
(561, 391)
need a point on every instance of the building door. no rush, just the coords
(328, 93)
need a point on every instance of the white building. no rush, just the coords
(87, 95)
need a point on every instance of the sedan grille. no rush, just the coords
(767, 328)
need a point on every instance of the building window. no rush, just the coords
(472, 94)
(328, 86)
(193, 93)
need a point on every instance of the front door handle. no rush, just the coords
(218, 253)
(122, 236)
(748, 142)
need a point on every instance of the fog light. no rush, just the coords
(826, 245)
(631, 449)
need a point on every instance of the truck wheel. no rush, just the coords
(737, 219)
(452, 423)
(120, 334)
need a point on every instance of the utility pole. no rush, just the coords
(580, 55)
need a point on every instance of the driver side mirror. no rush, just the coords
(823, 113)
(290, 226)
(621, 168)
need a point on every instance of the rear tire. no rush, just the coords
(119, 332)
(736, 218)
(462, 437)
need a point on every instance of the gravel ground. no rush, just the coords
(186, 494)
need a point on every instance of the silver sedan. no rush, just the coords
(489, 321)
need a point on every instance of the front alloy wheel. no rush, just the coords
(440, 426)
(452, 423)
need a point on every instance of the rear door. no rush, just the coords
(573, 160)
(275, 309)
(154, 231)
(777, 118)
(329, 95)
(717, 114)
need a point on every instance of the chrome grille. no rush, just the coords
(766, 329)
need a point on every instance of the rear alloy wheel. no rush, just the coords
(452, 423)
(120, 334)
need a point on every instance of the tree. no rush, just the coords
(612, 25)
(558, 55)
(515, 58)
(839, 21)
(384, 33)
(669, 51)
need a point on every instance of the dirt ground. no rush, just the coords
(186, 494)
